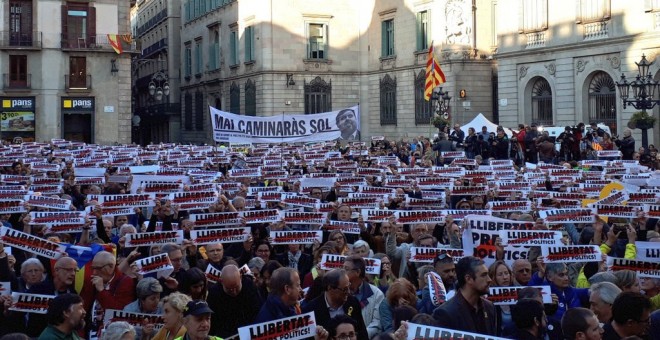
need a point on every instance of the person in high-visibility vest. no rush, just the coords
(197, 320)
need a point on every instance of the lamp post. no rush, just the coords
(159, 86)
(441, 101)
(644, 88)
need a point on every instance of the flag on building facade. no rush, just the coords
(434, 75)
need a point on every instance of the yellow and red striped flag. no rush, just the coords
(596, 146)
(434, 75)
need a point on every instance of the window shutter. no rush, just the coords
(383, 40)
(418, 31)
(91, 26)
(429, 30)
(65, 33)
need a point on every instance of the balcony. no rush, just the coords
(20, 40)
(152, 22)
(155, 47)
(11, 82)
(98, 42)
(82, 83)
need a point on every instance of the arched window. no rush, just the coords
(388, 101)
(318, 96)
(250, 98)
(602, 100)
(423, 108)
(542, 102)
(234, 99)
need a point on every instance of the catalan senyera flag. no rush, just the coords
(115, 41)
(434, 75)
(596, 146)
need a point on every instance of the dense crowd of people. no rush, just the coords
(98, 286)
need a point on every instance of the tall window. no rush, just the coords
(198, 57)
(187, 66)
(250, 98)
(249, 43)
(318, 96)
(20, 23)
(388, 38)
(388, 101)
(77, 72)
(214, 49)
(593, 10)
(78, 25)
(199, 111)
(423, 29)
(423, 108)
(235, 99)
(18, 71)
(542, 102)
(602, 100)
(533, 15)
(233, 48)
(317, 47)
(188, 112)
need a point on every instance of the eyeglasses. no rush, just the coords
(101, 267)
(350, 335)
(385, 263)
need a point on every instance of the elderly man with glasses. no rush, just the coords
(108, 285)
(337, 300)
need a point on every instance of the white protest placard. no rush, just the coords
(372, 266)
(224, 235)
(295, 217)
(570, 254)
(296, 237)
(30, 303)
(510, 206)
(300, 201)
(296, 327)
(143, 169)
(419, 216)
(509, 295)
(11, 206)
(261, 216)
(561, 216)
(159, 264)
(48, 202)
(648, 251)
(345, 227)
(216, 219)
(329, 261)
(155, 238)
(419, 332)
(643, 268)
(481, 232)
(616, 210)
(135, 319)
(213, 274)
(427, 255)
(88, 172)
(57, 217)
(376, 215)
(531, 237)
(127, 200)
(205, 197)
(30, 243)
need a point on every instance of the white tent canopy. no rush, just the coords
(480, 121)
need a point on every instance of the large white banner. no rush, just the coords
(342, 124)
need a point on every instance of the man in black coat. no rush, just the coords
(468, 310)
(336, 300)
(295, 258)
(235, 302)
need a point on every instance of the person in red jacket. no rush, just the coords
(108, 286)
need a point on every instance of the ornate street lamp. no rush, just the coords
(159, 86)
(441, 101)
(643, 93)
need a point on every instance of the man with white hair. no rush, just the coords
(108, 285)
(601, 299)
(626, 145)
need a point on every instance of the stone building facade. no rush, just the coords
(557, 65)
(61, 77)
(274, 57)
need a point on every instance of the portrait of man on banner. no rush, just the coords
(348, 124)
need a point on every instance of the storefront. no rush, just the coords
(78, 119)
(17, 119)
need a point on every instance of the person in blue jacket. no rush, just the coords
(556, 275)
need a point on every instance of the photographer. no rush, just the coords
(626, 145)
(566, 141)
